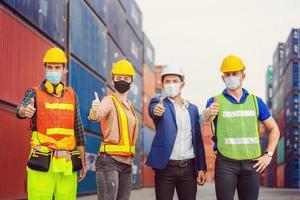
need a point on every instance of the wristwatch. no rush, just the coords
(270, 153)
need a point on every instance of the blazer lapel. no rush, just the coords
(191, 112)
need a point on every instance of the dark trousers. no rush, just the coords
(113, 179)
(171, 177)
(232, 175)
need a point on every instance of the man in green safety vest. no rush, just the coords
(235, 114)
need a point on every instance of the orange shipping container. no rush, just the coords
(148, 175)
(14, 147)
(264, 178)
(207, 138)
(146, 118)
(158, 70)
(21, 52)
(148, 81)
(210, 162)
(280, 176)
(208, 145)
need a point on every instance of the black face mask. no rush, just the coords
(122, 86)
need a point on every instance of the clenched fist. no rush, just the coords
(159, 109)
(210, 113)
(29, 110)
(94, 112)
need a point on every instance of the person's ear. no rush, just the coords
(243, 76)
(223, 78)
(182, 85)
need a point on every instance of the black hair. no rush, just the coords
(163, 77)
(64, 65)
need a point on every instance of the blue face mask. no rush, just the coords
(53, 77)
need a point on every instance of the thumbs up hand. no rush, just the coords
(29, 110)
(96, 97)
(94, 112)
(159, 109)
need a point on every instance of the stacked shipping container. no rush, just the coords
(210, 155)
(148, 93)
(21, 67)
(285, 94)
(94, 34)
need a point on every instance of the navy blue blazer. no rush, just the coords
(166, 131)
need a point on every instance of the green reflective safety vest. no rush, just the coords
(237, 130)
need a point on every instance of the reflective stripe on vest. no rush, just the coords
(125, 147)
(55, 120)
(237, 129)
(63, 106)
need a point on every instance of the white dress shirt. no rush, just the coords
(183, 147)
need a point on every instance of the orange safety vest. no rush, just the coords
(125, 147)
(55, 119)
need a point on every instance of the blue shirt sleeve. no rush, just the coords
(209, 102)
(263, 111)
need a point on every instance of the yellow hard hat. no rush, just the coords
(55, 55)
(123, 67)
(232, 63)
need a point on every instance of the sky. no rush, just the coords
(196, 35)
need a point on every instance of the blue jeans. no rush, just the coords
(113, 179)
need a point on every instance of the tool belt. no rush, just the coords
(40, 161)
(181, 163)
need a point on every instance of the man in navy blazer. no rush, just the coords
(177, 153)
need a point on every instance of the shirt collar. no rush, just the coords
(232, 99)
(185, 102)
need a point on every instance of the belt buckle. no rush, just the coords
(183, 163)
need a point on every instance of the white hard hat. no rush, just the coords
(172, 70)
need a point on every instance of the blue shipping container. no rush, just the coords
(135, 17)
(278, 64)
(48, 16)
(100, 7)
(149, 53)
(116, 23)
(278, 100)
(291, 77)
(88, 37)
(292, 110)
(85, 84)
(148, 135)
(264, 142)
(292, 45)
(88, 185)
(139, 142)
(292, 173)
(114, 54)
(137, 170)
(134, 49)
(135, 92)
(292, 143)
